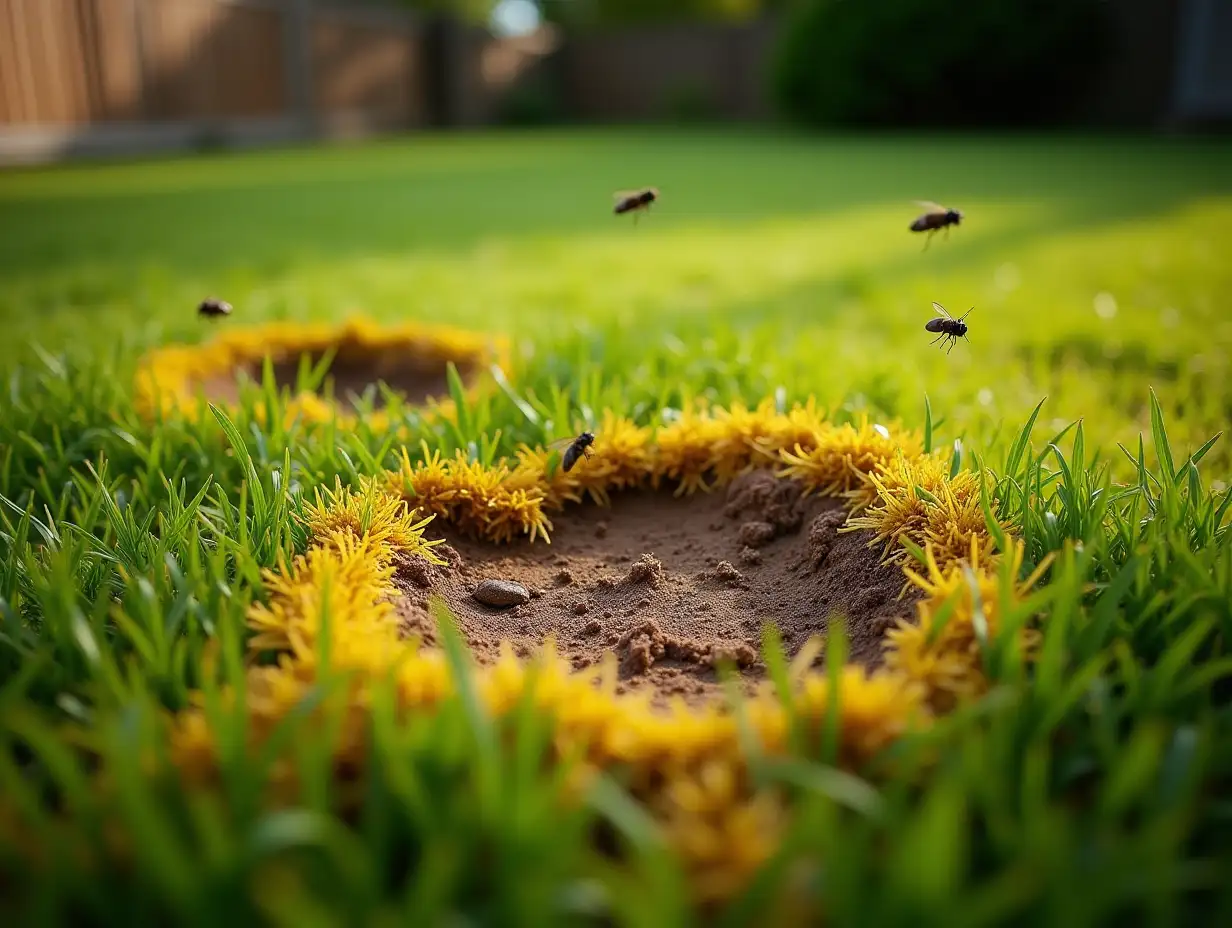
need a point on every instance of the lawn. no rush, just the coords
(187, 737)
(1095, 267)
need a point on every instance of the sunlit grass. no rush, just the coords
(791, 245)
(1081, 787)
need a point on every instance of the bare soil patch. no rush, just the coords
(417, 379)
(670, 586)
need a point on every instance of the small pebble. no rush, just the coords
(726, 572)
(500, 593)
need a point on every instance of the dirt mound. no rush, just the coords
(671, 586)
(417, 379)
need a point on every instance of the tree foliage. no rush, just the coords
(476, 11)
(936, 61)
(629, 12)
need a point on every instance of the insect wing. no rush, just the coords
(941, 309)
(931, 206)
(557, 450)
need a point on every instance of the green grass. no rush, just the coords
(789, 256)
(1091, 789)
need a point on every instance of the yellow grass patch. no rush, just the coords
(688, 764)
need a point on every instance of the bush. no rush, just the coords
(955, 62)
(534, 100)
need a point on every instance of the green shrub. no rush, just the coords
(956, 62)
(534, 100)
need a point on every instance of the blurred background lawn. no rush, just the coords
(1097, 267)
(779, 256)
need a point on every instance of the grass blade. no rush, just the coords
(1163, 450)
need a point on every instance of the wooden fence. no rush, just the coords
(693, 70)
(140, 73)
(87, 76)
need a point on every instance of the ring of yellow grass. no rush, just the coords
(687, 764)
(168, 378)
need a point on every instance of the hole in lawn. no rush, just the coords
(417, 378)
(671, 585)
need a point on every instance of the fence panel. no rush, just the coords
(212, 60)
(367, 69)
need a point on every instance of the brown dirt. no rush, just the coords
(671, 586)
(417, 379)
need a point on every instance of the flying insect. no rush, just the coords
(214, 308)
(635, 201)
(936, 218)
(578, 448)
(947, 326)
